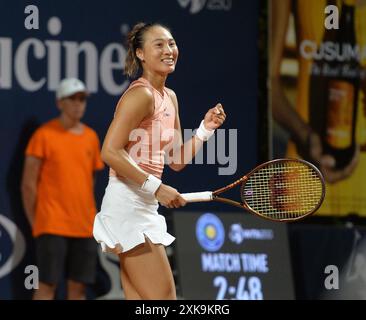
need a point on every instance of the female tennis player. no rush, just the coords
(145, 126)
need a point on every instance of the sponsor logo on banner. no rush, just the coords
(237, 234)
(10, 232)
(331, 51)
(210, 232)
(198, 5)
(58, 59)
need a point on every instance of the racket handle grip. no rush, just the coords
(197, 196)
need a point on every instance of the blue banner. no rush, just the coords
(217, 41)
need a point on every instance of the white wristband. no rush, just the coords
(202, 133)
(151, 184)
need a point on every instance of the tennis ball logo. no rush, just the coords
(210, 232)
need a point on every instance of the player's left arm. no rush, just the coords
(183, 153)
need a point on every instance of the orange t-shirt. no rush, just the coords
(65, 203)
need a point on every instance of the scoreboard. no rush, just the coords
(232, 256)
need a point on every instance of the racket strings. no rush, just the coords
(283, 190)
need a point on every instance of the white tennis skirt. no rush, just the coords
(127, 215)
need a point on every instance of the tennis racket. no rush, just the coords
(278, 190)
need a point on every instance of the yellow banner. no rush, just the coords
(318, 94)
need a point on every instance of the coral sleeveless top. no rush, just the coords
(155, 134)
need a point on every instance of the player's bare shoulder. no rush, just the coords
(140, 99)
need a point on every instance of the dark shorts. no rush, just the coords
(74, 257)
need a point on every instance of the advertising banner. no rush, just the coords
(46, 41)
(317, 70)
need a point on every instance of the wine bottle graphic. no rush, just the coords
(334, 88)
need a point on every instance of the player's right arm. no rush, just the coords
(136, 105)
(29, 183)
